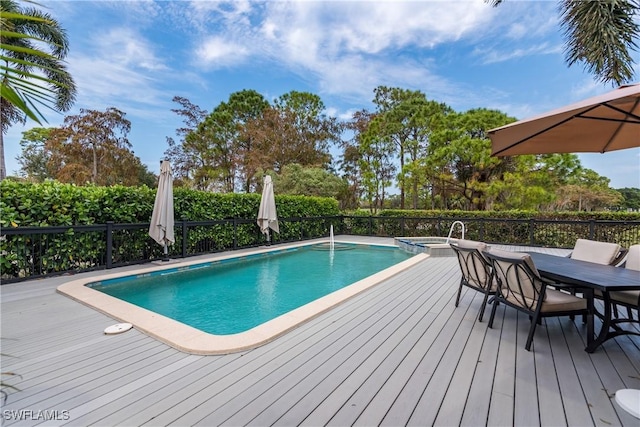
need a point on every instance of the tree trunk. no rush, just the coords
(94, 173)
(3, 167)
(401, 176)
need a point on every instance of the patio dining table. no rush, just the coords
(591, 277)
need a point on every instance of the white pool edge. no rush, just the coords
(191, 340)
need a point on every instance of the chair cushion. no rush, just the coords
(516, 256)
(630, 298)
(476, 269)
(472, 244)
(633, 258)
(530, 285)
(596, 252)
(560, 301)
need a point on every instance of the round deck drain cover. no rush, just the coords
(629, 400)
(118, 328)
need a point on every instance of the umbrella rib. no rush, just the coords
(627, 114)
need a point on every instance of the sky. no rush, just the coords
(137, 55)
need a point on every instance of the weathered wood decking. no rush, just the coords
(398, 354)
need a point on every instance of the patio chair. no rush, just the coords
(521, 287)
(598, 252)
(629, 299)
(476, 270)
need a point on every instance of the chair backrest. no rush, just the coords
(519, 280)
(596, 252)
(633, 258)
(476, 269)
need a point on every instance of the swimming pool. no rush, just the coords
(195, 340)
(235, 295)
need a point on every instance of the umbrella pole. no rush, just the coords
(166, 252)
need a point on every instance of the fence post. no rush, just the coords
(481, 235)
(532, 224)
(235, 232)
(370, 225)
(184, 237)
(592, 229)
(402, 225)
(109, 244)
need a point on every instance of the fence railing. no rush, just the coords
(33, 252)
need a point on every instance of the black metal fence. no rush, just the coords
(32, 252)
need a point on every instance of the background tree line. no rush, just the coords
(437, 158)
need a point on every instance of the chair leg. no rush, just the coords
(493, 312)
(459, 292)
(532, 330)
(484, 304)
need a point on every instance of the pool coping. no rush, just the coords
(191, 340)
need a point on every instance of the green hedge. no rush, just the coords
(52, 204)
(55, 204)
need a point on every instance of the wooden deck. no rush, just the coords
(398, 354)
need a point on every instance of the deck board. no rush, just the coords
(400, 353)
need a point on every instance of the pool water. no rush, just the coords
(233, 296)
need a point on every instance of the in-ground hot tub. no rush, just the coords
(434, 246)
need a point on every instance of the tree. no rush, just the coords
(185, 159)
(631, 198)
(238, 146)
(308, 181)
(34, 157)
(351, 161)
(589, 191)
(215, 152)
(294, 130)
(460, 154)
(93, 147)
(406, 119)
(376, 161)
(601, 34)
(33, 48)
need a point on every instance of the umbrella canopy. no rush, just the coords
(162, 221)
(267, 217)
(602, 123)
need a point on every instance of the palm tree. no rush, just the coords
(33, 46)
(601, 34)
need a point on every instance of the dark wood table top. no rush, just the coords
(586, 274)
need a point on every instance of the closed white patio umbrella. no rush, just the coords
(267, 216)
(162, 221)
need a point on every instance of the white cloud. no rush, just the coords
(126, 47)
(102, 83)
(217, 51)
(494, 55)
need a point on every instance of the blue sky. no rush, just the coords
(137, 55)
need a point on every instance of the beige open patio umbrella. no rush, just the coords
(162, 221)
(267, 216)
(602, 123)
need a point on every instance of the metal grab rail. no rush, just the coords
(451, 230)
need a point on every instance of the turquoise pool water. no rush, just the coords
(235, 295)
